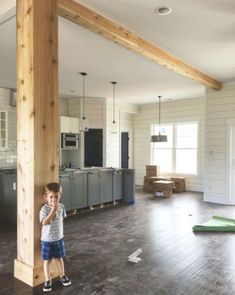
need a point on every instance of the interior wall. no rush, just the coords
(220, 107)
(127, 121)
(171, 112)
(124, 116)
(8, 158)
(95, 112)
(113, 136)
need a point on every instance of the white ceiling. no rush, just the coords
(201, 33)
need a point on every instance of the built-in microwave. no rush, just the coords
(69, 141)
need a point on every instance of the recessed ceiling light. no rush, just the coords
(163, 10)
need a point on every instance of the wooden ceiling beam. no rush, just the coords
(94, 22)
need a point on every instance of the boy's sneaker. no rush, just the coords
(47, 286)
(65, 281)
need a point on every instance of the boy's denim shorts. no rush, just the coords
(52, 249)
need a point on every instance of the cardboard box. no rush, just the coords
(179, 184)
(163, 188)
(152, 179)
(148, 188)
(163, 185)
(149, 180)
(163, 194)
(152, 170)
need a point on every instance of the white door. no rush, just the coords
(231, 160)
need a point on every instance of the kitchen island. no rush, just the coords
(81, 188)
(93, 186)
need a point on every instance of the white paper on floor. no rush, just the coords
(133, 257)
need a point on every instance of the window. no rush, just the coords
(179, 153)
(3, 130)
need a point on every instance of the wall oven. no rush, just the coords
(69, 141)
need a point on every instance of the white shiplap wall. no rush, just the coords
(173, 111)
(124, 117)
(95, 112)
(220, 107)
(127, 121)
(63, 107)
(8, 158)
(112, 136)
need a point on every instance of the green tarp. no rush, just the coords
(216, 224)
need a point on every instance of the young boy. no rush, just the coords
(52, 236)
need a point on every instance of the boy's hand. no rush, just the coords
(55, 207)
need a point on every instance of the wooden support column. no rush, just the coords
(37, 127)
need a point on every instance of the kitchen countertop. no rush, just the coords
(8, 170)
(63, 171)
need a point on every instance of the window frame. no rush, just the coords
(174, 149)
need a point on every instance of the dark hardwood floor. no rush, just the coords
(175, 261)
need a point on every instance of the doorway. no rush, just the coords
(93, 148)
(124, 150)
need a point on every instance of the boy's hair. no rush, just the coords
(53, 187)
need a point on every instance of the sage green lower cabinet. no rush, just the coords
(8, 197)
(117, 184)
(106, 185)
(67, 191)
(93, 187)
(89, 187)
(128, 192)
(80, 190)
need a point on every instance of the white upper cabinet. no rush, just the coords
(69, 124)
(3, 130)
(74, 125)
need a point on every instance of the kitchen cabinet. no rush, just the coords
(69, 124)
(8, 196)
(99, 186)
(74, 189)
(93, 188)
(106, 187)
(80, 189)
(67, 191)
(117, 184)
(128, 192)
(83, 188)
(3, 130)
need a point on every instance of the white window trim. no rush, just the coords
(174, 124)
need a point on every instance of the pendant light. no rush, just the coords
(84, 123)
(114, 84)
(159, 137)
(83, 95)
(114, 127)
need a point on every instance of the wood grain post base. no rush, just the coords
(32, 276)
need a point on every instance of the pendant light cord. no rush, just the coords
(114, 84)
(83, 95)
(83, 100)
(159, 112)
